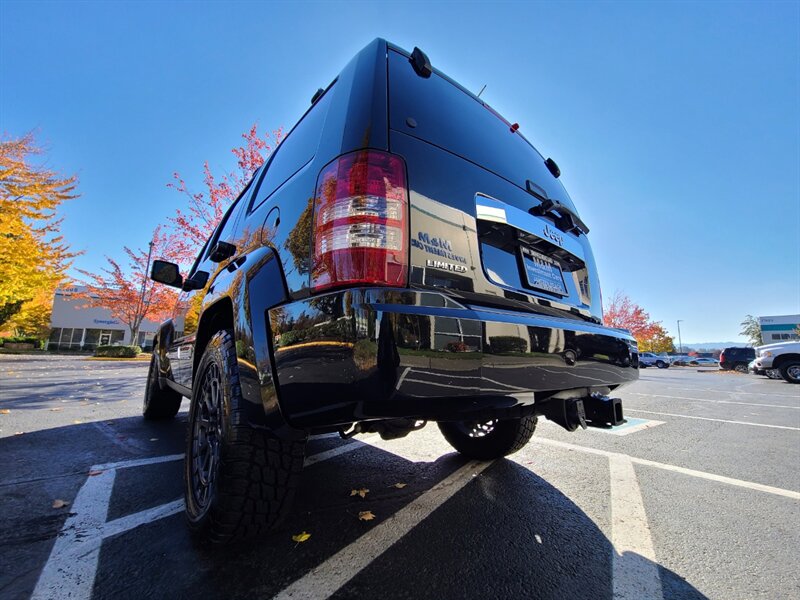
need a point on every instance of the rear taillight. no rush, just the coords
(361, 222)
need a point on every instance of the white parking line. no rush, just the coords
(402, 377)
(719, 391)
(137, 462)
(72, 566)
(327, 578)
(683, 470)
(714, 401)
(133, 521)
(337, 451)
(635, 572)
(652, 412)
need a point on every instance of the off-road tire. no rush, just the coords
(503, 438)
(252, 482)
(790, 371)
(158, 403)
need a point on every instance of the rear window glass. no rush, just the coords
(452, 119)
(295, 150)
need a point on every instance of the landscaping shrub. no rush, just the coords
(118, 351)
(20, 340)
(507, 343)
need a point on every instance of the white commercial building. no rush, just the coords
(779, 328)
(74, 326)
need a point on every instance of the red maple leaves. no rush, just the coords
(623, 313)
(205, 209)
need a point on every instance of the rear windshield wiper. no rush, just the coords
(566, 219)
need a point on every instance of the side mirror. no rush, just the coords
(166, 273)
(196, 282)
(221, 251)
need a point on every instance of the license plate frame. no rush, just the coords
(542, 272)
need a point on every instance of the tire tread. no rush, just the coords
(258, 474)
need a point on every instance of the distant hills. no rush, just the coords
(712, 345)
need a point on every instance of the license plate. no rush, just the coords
(543, 273)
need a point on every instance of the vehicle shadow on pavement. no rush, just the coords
(507, 534)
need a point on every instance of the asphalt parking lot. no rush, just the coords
(698, 496)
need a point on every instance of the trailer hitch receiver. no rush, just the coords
(602, 411)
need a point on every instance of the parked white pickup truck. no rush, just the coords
(784, 356)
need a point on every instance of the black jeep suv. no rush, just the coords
(405, 255)
(735, 358)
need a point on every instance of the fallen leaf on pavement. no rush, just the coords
(301, 537)
(5, 411)
(93, 473)
(365, 515)
(77, 421)
(18, 432)
(362, 492)
(57, 409)
(60, 503)
(399, 486)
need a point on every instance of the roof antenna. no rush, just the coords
(479, 93)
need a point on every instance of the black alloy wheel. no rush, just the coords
(206, 424)
(487, 440)
(790, 371)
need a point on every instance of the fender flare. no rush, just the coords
(250, 286)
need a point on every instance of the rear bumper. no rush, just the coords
(373, 354)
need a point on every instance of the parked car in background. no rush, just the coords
(648, 359)
(736, 358)
(752, 368)
(704, 362)
(783, 357)
(680, 361)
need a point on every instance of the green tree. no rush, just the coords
(751, 329)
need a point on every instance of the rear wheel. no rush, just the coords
(158, 403)
(661, 364)
(239, 482)
(740, 368)
(489, 439)
(790, 371)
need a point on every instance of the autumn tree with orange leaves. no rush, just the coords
(33, 255)
(126, 289)
(194, 225)
(623, 313)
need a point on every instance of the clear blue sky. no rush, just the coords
(676, 125)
